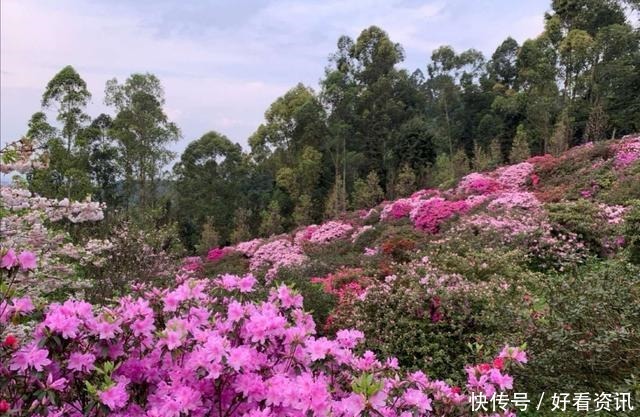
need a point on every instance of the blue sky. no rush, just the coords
(223, 62)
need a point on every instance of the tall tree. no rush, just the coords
(67, 174)
(210, 180)
(143, 131)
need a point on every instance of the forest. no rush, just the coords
(458, 241)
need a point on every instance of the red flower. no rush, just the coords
(4, 406)
(484, 367)
(535, 179)
(10, 341)
(498, 363)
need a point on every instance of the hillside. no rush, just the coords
(543, 255)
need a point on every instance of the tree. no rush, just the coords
(520, 146)
(460, 164)
(405, 182)
(496, 156)
(367, 193)
(597, 124)
(67, 173)
(292, 122)
(241, 222)
(67, 91)
(336, 202)
(209, 238)
(211, 178)
(271, 220)
(103, 159)
(502, 66)
(302, 214)
(481, 159)
(143, 132)
(559, 141)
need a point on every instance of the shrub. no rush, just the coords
(632, 232)
(587, 337)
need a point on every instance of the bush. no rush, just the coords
(587, 338)
(434, 321)
(632, 232)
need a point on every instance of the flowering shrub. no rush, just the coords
(201, 348)
(275, 255)
(422, 316)
(248, 248)
(510, 200)
(398, 209)
(30, 223)
(329, 231)
(215, 254)
(21, 156)
(476, 183)
(515, 177)
(429, 214)
(627, 152)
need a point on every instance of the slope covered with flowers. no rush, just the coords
(367, 314)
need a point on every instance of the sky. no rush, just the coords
(222, 63)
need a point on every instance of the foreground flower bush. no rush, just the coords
(35, 224)
(203, 349)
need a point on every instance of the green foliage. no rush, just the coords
(209, 238)
(596, 124)
(559, 141)
(210, 180)
(336, 202)
(481, 159)
(271, 220)
(496, 157)
(520, 146)
(405, 182)
(591, 320)
(143, 132)
(367, 193)
(302, 214)
(632, 232)
(241, 221)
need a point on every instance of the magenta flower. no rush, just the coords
(27, 260)
(116, 396)
(30, 356)
(81, 362)
(9, 260)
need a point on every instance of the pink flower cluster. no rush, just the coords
(476, 183)
(275, 255)
(25, 260)
(201, 349)
(490, 378)
(612, 214)
(510, 200)
(15, 199)
(429, 214)
(515, 177)
(215, 254)
(627, 152)
(329, 231)
(398, 209)
(248, 248)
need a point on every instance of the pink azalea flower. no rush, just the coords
(27, 260)
(81, 362)
(418, 399)
(246, 283)
(30, 356)
(116, 396)
(9, 260)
